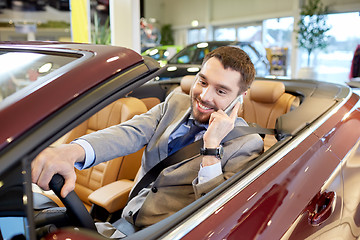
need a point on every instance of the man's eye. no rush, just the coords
(221, 92)
(202, 83)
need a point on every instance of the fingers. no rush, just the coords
(51, 161)
(38, 176)
(221, 113)
(212, 117)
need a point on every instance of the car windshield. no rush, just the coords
(184, 56)
(22, 69)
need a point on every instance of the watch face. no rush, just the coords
(217, 152)
(220, 152)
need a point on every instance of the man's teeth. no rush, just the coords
(204, 107)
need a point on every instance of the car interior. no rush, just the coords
(104, 189)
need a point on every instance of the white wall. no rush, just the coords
(180, 13)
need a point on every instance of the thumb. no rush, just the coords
(69, 186)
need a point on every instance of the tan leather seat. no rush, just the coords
(186, 83)
(150, 102)
(264, 103)
(126, 167)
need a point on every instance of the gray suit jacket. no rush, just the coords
(177, 185)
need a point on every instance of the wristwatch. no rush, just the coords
(217, 152)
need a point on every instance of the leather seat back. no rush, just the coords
(125, 167)
(186, 83)
(150, 102)
(264, 103)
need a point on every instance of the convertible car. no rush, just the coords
(303, 186)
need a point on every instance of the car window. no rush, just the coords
(200, 56)
(156, 56)
(251, 52)
(21, 69)
(13, 227)
(184, 56)
(201, 52)
(154, 53)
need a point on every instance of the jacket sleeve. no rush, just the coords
(237, 154)
(132, 135)
(125, 138)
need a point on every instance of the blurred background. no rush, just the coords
(163, 27)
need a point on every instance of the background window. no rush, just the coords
(249, 34)
(277, 40)
(225, 34)
(333, 64)
(196, 35)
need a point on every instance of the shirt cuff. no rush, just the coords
(209, 172)
(89, 154)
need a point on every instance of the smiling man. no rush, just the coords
(207, 113)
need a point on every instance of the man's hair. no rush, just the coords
(235, 59)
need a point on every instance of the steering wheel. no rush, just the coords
(74, 206)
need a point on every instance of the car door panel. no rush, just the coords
(268, 206)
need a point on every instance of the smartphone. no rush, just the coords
(232, 104)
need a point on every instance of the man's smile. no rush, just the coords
(203, 107)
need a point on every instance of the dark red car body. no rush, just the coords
(305, 186)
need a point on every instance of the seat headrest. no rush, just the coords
(266, 91)
(186, 83)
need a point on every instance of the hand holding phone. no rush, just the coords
(221, 124)
(229, 109)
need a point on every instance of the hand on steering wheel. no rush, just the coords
(75, 207)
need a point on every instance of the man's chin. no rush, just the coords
(201, 118)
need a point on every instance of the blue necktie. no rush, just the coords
(185, 139)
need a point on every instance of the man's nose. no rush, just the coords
(206, 94)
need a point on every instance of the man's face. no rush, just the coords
(214, 88)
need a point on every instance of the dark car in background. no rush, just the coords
(24, 4)
(37, 3)
(304, 186)
(60, 4)
(188, 60)
(3, 3)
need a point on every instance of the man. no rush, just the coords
(226, 73)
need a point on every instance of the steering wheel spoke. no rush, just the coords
(75, 208)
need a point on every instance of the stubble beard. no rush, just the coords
(198, 116)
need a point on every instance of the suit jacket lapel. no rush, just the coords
(163, 142)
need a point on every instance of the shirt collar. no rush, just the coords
(191, 118)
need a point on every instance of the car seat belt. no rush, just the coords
(192, 150)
